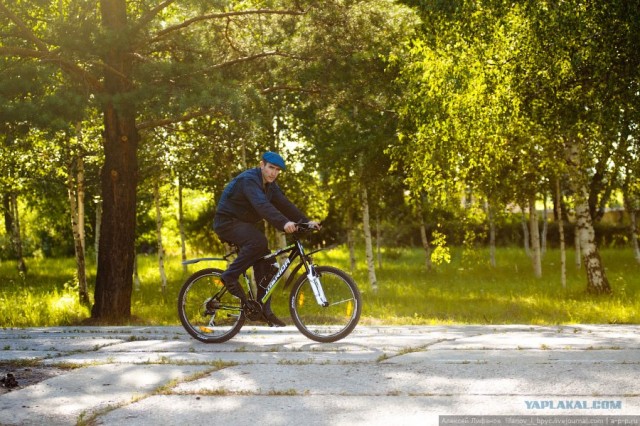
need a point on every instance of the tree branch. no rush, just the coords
(46, 56)
(283, 88)
(43, 53)
(246, 59)
(150, 124)
(148, 17)
(24, 29)
(191, 21)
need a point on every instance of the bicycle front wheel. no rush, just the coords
(207, 310)
(335, 320)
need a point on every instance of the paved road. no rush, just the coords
(376, 376)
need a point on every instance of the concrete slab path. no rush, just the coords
(375, 376)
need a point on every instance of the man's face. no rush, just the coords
(269, 172)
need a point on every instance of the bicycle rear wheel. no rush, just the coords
(326, 323)
(207, 310)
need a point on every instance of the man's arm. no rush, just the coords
(289, 209)
(267, 210)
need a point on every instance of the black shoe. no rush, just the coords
(273, 320)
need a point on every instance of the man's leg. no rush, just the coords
(253, 245)
(260, 269)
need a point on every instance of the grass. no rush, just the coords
(465, 291)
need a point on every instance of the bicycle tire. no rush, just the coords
(333, 322)
(207, 311)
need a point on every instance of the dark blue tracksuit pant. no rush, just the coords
(253, 246)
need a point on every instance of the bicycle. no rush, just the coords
(324, 302)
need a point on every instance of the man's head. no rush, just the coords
(271, 165)
(275, 159)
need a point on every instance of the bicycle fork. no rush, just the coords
(316, 286)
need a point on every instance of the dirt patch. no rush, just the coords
(14, 377)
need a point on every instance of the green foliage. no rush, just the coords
(466, 290)
(472, 292)
(47, 296)
(441, 253)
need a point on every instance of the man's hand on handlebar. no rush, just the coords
(291, 227)
(314, 225)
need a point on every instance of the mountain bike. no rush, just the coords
(324, 302)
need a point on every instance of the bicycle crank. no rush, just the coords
(253, 310)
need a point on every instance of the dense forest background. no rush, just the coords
(429, 123)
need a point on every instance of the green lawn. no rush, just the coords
(465, 291)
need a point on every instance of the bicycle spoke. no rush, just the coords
(333, 321)
(210, 319)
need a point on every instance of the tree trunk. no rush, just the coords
(371, 267)
(16, 234)
(83, 289)
(96, 240)
(119, 175)
(545, 227)
(183, 238)
(136, 276)
(596, 278)
(163, 275)
(534, 233)
(634, 235)
(423, 237)
(378, 241)
(12, 228)
(576, 244)
(78, 243)
(563, 254)
(351, 244)
(492, 234)
(525, 234)
(629, 205)
(281, 238)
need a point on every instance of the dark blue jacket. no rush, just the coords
(245, 198)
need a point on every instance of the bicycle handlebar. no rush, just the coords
(305, 227)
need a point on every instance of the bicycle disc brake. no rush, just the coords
(253, 310)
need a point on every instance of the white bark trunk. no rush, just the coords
(492, 234)
(525, 234)
(16, 234)
(630, 206)
(634, 235)
(352, 245)
(282, 243)
(534, 233)
(371, 267)
(425, 241)
(74, 192)
(378, 242)
(578, 250)
(163, 275)
(596, 278)
(183, 238)
(545, 227)
(136, 276)
(563, 254)
(96, 240)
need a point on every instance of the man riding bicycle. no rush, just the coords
(250, 197)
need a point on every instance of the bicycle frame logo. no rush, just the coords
(275, 279)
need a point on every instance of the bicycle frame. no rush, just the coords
(295, 250)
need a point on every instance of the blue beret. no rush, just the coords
(275, 159)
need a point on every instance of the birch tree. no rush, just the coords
(557, 101)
